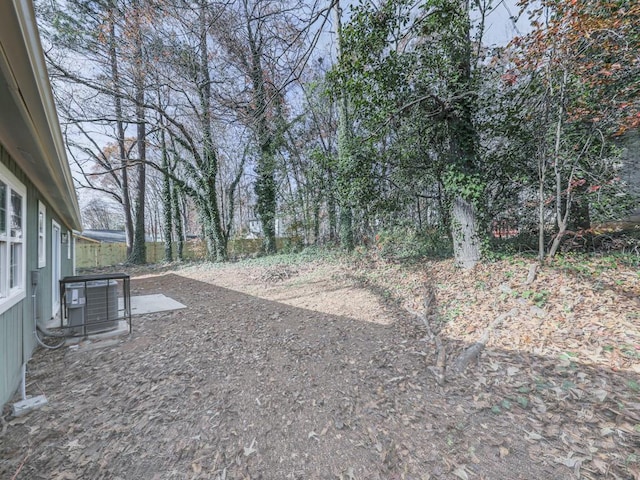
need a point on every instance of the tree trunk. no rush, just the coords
(139, 251)
(463, 152)
(210, 213)
(122, 151)
(331, 207)
(562, 208)
(316, 221)
(344, 153)
(265, 189)
(265, 186)
(346, 228)
(177, 216)
(541, 180)
(167, 201)
(464, 230)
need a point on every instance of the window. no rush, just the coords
(42, 235)
(12, 239)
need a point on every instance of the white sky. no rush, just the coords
(500, 24)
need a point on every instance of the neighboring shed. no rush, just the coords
(38, 204)
(105, 236)
(82, 240)
(109, 236)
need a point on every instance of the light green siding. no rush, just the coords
(17, 341)
(10, 351)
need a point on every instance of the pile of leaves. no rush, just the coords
(565, 361)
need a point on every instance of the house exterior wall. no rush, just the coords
(11, 339)
(17, 341)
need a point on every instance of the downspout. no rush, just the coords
(35, 274)
(29, 403)
(35, 277)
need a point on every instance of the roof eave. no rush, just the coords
(24, 70)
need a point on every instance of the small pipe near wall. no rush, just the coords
(29, 403)
(35, 277)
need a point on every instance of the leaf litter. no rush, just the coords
(320, 372)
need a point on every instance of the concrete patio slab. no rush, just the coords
(143, 304)
(140, 305)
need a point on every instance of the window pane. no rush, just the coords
(3, 269)
(15, 271)
(16, 215)
(3, 209)
(40, 238)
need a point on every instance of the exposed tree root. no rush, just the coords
(461, 363)
(441, 371)
(531, 276)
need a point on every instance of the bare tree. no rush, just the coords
(108, 35)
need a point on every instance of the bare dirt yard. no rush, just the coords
(318, 369)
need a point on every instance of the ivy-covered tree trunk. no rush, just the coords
(344, 181)
(167, 202)
(344, 151)
(265, 186)
(315, 219)
(463, 182)
(216, 243)
(139, 250)
(177, 221)
(331, 207)
(346, 228)
(210, 211)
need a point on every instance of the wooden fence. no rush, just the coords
(91, 255)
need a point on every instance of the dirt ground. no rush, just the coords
(318, 371)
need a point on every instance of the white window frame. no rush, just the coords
(10, 296)
(56, 265)
(42, 235)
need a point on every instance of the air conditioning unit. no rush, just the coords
(92, 307)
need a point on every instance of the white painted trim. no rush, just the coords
(18, 294)
(42, 255)
(55, 276)
(33, 136)
(28, 25)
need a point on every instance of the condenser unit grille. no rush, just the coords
(95, 305)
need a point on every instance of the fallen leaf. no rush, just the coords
(249, 450)
(74, 444)
(600, 394)
(348, 475)
(65, 475)
(533, 436)
(600, 465)
(461, 473)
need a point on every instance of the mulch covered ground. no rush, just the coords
(241, 387)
